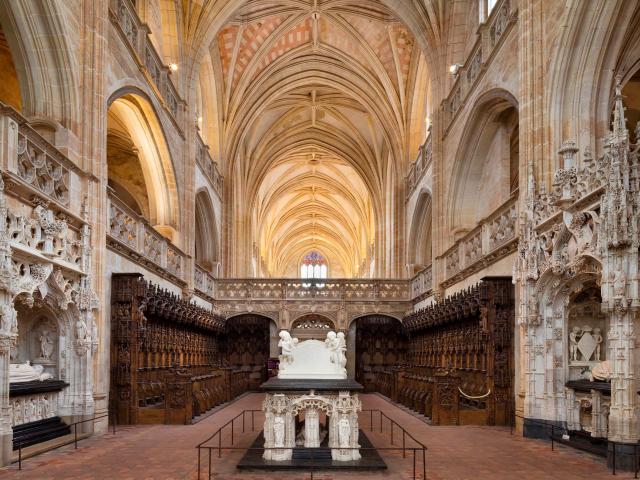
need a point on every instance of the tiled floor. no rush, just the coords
(168, 452)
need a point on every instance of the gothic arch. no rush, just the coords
(137, 119)
(420, 233)
(600, 41)
(487, 136)
(44, 59)
(207, 245)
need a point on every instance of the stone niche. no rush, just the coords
(586, 333)
(39, 341)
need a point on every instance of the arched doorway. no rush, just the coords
(380, 345)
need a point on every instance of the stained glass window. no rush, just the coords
(313, 265)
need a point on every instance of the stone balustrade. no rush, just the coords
(209, 166)
(297, 289)
(135, 33)
(492, 239)
(131, 235)
(502, 18)
(204, 281)
(422, 284)
(419, 166)
(41, 168)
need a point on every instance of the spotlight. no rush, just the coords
(454, 69)
(173, 67)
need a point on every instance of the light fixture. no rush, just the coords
(173, 67)
(454, 69)
(199, 119)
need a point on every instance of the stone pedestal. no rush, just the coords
(286, 398)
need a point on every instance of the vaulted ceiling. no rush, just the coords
(315, 99)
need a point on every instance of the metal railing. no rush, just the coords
(394, 427)
(552, 435)
(75, 437)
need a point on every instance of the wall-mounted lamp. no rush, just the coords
(454, 69)
(173, 67)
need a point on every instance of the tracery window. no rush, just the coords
(314, 266)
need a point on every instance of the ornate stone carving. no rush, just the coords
(31, 408)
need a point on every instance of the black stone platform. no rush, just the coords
(312, 458)
(585, 442)
(275, 384)
(40, 431)
(36, 386)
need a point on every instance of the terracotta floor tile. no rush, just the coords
(165, 452)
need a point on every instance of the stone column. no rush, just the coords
(6, 432)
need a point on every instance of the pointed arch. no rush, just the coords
(483, 166)
(132, 114)
(206, 232)
(419, 248)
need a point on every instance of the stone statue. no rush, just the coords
(29, 411)
(46, 345)
(574, 337)
(597, 337)
(278, 431)
(287, 344)
(9, 321)
(332, 345)
(344, 433)
(342, 350)
(81, 329)
(601, 371)
(25, 372)
(46, 407)
(619, 283)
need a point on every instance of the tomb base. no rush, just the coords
(289, 401)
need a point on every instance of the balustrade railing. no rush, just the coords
(336, 289)
(134, 232)
(502, 17)
(422, 283)
(489, 241)
(37, 163)
(419, 166)
(125, 18)
(209, 167)
(204, 281)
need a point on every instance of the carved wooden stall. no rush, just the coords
(166, 363)
(461, 357)
(381, 345)
(246, 350)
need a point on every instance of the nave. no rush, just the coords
(168, 452)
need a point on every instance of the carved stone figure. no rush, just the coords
(25, 372)
(342, 349)
(46, 407)
(597, 337)
(619, 283)
(278, 431)
(574, 337)
(344, 433)
(332, 345)
(287, 344)
(81, 329)
(46, 345)
(9, 321)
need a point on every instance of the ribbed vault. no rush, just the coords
(315, 101)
